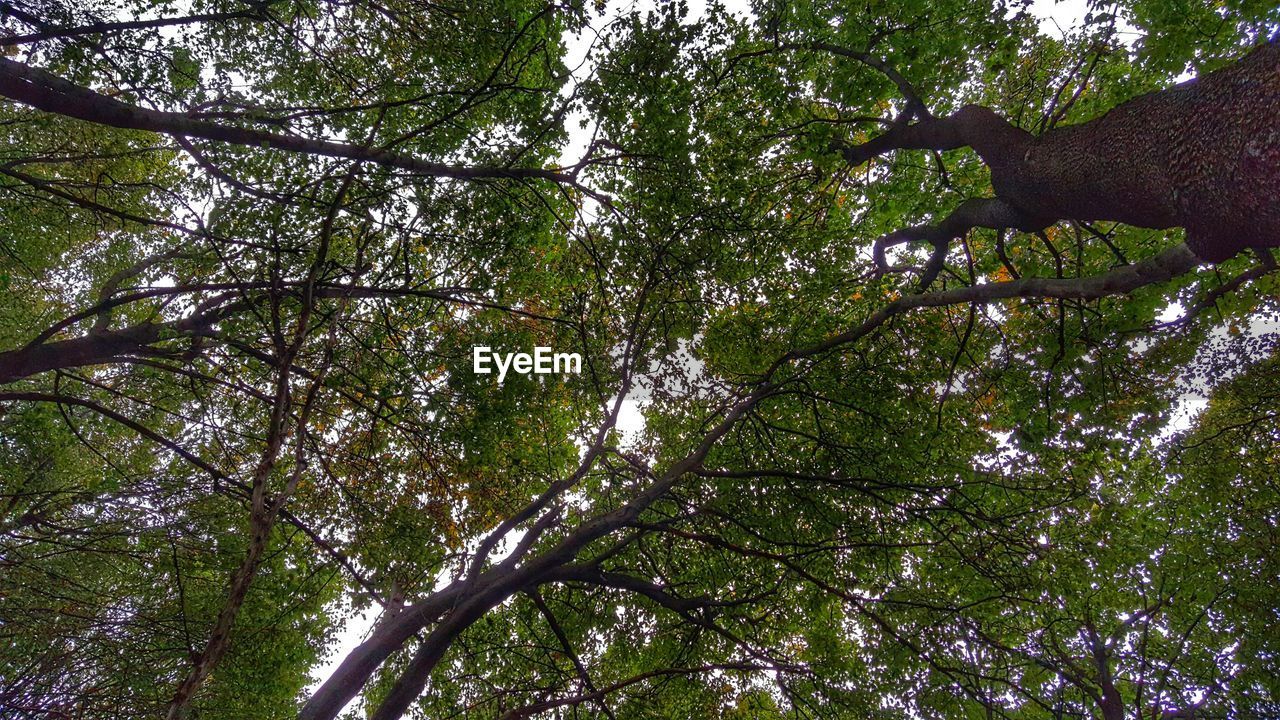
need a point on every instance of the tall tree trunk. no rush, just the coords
(1203, 155)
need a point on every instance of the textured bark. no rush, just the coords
(1203, 155)
(91, 349)
(1111, 703)
(100, 347)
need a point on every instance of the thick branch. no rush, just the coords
(1203, 155)
(621, 581)
(44, 91)
(101, 347)
(972, 213)
(488, 590)
(991, 136)
(264, 511)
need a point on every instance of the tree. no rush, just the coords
(1199, 155)
(251, 245)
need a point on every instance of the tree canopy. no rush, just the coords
(929, 361)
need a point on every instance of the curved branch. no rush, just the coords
(50, 93)
(972, 213)
(915, 103)
(991, 136)
(1266, 266)
(1159, 268)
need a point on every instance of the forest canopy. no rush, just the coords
(929, 362)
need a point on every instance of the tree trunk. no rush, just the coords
(1204, 155)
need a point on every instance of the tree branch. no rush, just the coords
(49, 32)
(972, 213)
(49, 93)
